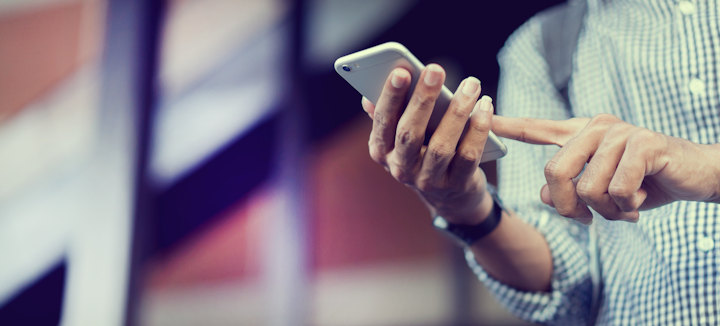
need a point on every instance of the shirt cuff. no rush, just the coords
(568, 302)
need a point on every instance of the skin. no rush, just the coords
(628, 168)
(449, 180)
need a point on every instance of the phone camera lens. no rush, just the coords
(346, 67)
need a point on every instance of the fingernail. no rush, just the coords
(585, 220)
(485, 103)
(471, 86)
(432, 76)
(399, 78)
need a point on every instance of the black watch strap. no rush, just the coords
(469, 234)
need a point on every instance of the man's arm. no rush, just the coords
(515, 254)
(449, 180)
(525, 255)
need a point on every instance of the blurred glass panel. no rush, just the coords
(222, 71)
(336, 27)
(48, 109)
(224, 75)
(66, 178)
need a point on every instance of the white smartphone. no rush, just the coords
(368, 69)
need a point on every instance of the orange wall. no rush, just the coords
(361, 214)
(226, 250)
(37, 49)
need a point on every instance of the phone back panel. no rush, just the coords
(370, 68)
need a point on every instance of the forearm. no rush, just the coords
(515, 254)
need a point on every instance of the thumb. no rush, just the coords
(545, 196)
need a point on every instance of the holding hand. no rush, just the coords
(445, 172)
(628, 168)
(446, 175)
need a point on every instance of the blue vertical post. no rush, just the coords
(288, 264)
(128, 97)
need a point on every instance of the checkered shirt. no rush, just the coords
(655, 64)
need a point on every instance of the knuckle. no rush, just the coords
(620, 192)
(407, 137)
(438, 153)
(382, 121)
(394, 98)
(551, 170)
(482, 126)
(424, 100)
(468, 155)
(523, 132)
(459, 112)
(586, 189)
(401, 175)
(425, 185)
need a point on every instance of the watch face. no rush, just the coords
(466, 235)
(440, 223)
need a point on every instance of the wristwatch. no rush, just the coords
(466, 235)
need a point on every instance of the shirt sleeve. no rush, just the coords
(526, 90)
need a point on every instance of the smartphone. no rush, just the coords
(367, 71)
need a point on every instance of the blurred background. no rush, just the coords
(189, 162)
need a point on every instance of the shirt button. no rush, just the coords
(686, 7)
(706, 244)
(697, 86)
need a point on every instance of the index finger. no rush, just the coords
(538, 131)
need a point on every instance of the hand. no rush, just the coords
(628, 168)
(443, 173)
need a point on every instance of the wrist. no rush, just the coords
(468, 232)
(476, 216)
(715, 159)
